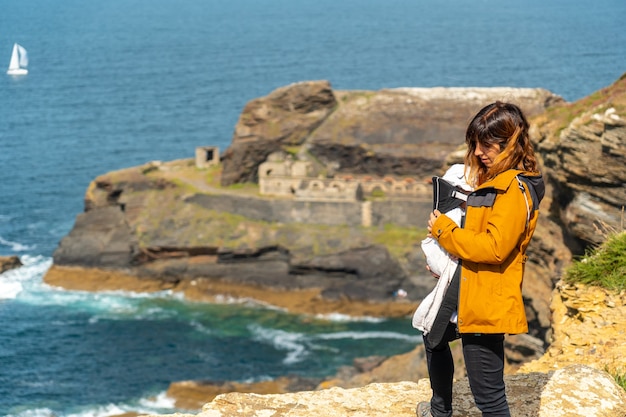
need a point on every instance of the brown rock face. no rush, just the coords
(283, 118)
(191, 395)
(404, 131)
(407, 131)
(583, 145)
(588, 327)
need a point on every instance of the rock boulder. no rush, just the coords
(283, 118)
(9, 262)
(575, 391)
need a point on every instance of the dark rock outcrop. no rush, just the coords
(9, 262)
(284, 118)
(101, 237)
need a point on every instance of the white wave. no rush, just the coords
(37, 412)
(293, 343)
(201, 328)
(298, 345)
(9, 289)
(121, 307)
(258, 378)
(102, 411)
(370, 335)
(125, 305)
(159, 404)
(245, 301)
(342, 318)
(110, 305)
(15, 246)
(14, 281)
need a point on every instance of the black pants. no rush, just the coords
(484, 361)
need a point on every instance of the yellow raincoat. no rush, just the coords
(501, 217)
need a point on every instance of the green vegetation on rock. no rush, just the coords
(603, 266)
(397, 239)
(620, 378)
(560, 116)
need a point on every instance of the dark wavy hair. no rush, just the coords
(504, 125)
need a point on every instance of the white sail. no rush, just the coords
(23, 56)
(15, 58)
(19, 61)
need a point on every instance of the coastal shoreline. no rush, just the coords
(298, 301)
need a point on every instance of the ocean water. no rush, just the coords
(117, 83)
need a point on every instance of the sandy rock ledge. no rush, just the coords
(574, 391)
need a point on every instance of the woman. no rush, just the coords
(486, 292)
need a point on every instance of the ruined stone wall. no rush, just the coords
(286, 177)
(329, 189)
(393, 187)
(410, 213)
(283, 186)
(340, 187)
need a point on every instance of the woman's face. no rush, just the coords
(487, 153)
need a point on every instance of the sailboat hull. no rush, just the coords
(17, 71)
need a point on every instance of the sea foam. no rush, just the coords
(370, 335)
(294, 343)
(14, 281)
(159, 404)
(15, 246)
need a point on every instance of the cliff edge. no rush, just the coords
(344, 236)
(227, 238)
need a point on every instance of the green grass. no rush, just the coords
(603, 266)
(620, 378)
(377, 194)
(292, 150)
(212, 175)
(398, 239)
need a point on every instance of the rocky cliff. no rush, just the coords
(570, 380)
(583, 146)
(214, 245)
(226, 238)
(402, 131)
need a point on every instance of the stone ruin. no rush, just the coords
(207, 156)
(282, 175)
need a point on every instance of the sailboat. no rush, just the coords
(19, 61)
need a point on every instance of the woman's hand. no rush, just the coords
(431, 272)
(431, 221)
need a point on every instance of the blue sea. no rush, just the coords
(118, 83)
